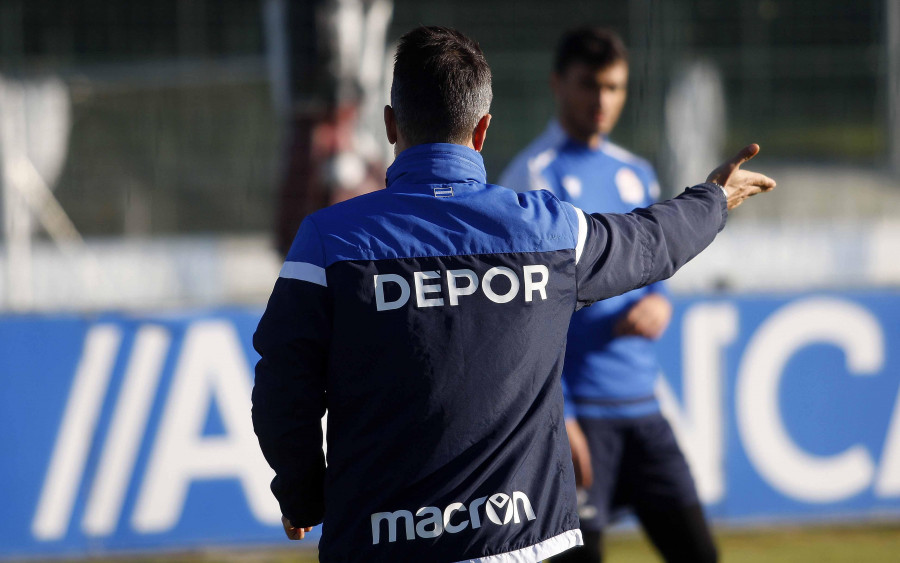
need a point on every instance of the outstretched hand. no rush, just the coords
(740, 184)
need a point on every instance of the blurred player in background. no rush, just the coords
(624, 451)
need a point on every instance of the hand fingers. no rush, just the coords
(745, 154)
(724, 172)
(746, 184)
(764, 182)
(297, 533)
(291, 532)
(629, 322)
(648, 327)
(740, 158)
(634, 325)
(648, 318)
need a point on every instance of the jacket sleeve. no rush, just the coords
(652, 196)
(293, 339)
(616, 253)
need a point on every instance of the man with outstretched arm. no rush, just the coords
(429, 320)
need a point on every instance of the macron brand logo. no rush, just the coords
(500, 509)
(460, 283)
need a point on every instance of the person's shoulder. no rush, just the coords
(346, 230)
(341, 214)
(625, 156)
(549, 202)
(633, 166)
(533, 159)
(545, 197)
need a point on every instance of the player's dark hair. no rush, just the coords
(598, 47)
(441, 87)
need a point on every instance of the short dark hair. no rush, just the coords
(596, 46)
(441, 86)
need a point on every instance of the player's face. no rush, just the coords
(590, 99)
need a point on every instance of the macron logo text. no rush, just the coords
(500, 509)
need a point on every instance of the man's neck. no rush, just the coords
(398, 148)
(593, 140)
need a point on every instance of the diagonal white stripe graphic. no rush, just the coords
(127, 429)
(51, 520)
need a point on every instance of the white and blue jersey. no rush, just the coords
(604, 376)
(429, 320)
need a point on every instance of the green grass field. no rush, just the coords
(859, 544)
(794, 545)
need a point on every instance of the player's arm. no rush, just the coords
(289, 394)
(616, 253)
(581, 454)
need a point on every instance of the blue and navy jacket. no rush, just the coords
(604, 376)
(429, 320)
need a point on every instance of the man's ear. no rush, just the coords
(390, 124)
(480, 132)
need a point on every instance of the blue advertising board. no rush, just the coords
(125, 432)
(788, 406)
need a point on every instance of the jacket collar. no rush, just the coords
(435, 163)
